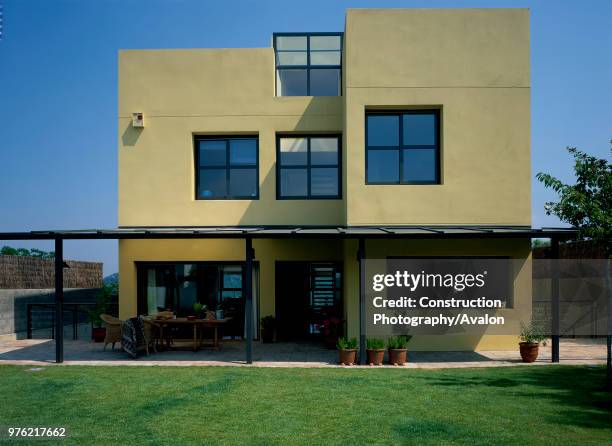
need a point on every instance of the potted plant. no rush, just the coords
(268, 327)
(397, 349)
(347, 350)
(103, 297)
(199, 309)
(531, 336)
(375, 349)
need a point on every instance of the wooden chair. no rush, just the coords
(113, 330)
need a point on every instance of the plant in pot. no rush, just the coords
(103, 297)
(199, 309)
(375, 349)
(398, 353)
(347, 350)
(268, 327)
(531, 336)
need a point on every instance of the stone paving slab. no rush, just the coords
(42, 352)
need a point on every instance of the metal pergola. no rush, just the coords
(360, 233)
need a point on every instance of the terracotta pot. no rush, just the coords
(376, 356)
(398, 356)
(529, 351)
(347, 357)
(98, 334)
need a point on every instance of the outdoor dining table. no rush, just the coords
(197, 324)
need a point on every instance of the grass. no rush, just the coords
(232, 405)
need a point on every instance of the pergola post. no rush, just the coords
(59, 300)
(362, 306)
(249, 255)
(555, 304)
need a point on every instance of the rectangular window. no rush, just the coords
(308, 167)
(308, 64)
(403, 147)
(226, 168)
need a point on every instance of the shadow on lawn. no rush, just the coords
(577, 391)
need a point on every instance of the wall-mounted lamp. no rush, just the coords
(137, 120)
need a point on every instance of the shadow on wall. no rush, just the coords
(315, 119)
(130, 135)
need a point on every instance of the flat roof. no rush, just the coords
(333, 232)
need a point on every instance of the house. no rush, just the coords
(414, 120)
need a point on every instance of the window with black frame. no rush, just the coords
(403, 147)
(226, 168)
(308, 167)
(308, 64)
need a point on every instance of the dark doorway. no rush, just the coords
(307, 294)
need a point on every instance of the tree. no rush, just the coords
(587, 205)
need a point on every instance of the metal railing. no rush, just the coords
(75, 309)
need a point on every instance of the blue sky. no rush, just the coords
(58, 91)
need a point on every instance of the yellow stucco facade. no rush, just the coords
(472, 65)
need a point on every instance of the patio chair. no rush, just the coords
(113, 329)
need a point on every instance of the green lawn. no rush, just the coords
(231, 405)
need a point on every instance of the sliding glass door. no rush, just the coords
(176, 286)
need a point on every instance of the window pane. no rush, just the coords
(243, 151)
(419, 130)
(291, 43)
(323, 150)
(325, 82)
(383, 130)
(324, 181)
(324, 42)
(212, 153)
(212, 183)
(291, 58)
(419, 165)
(383, 166)
(243, 183)
(325, 58)
(292, 83)
(293, 151)
(294, 182)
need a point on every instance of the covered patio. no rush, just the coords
(250, 351)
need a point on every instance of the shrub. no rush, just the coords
(532, 333)
(375, 344)
(398, 342)
(346, 343)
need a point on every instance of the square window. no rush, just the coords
(383, 130)
(243, 152)
(226, 168)
(213, 183)
(419, 129)
(318, 64)
(213, 153)
(294, 182)
(243, 183)
(324, 181)
(292, 82)
(323, 151)
(383, 166)
(293, 151)
(419, 165)
(325, 82)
